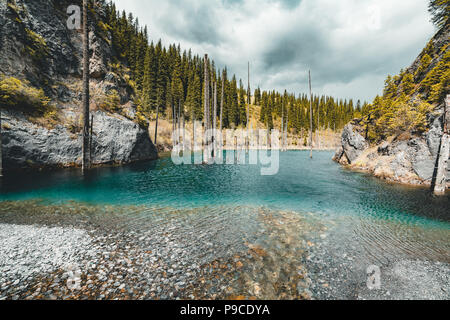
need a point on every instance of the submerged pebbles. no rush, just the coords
(78, 251)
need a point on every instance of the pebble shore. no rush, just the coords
(247, 253)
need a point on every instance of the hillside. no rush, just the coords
(398, 137)
(40, 91)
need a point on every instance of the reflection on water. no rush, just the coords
(388, 220)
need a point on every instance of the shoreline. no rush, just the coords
(391, 179)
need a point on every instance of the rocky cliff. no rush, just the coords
(405, 159)
(405, 156)
(39, 51)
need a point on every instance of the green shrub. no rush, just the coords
(13, 6)
(424, 64)
(395, 116)
(111, 102)
(36, 46)
(407, 118)
(437, 82)
(18, 94)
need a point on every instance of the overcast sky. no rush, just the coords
(349, 45)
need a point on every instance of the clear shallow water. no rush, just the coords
(382, 215)
(302, 184)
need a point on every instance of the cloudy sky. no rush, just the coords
(349, 45)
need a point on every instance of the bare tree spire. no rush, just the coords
(156, 125)
(1, 153)
(206, 103)
(222, 101)
(248, 108)
(249, 93)
(215, 119)
(85, 157)
(311, 115)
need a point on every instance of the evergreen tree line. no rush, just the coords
(172, 81)
(328, 112)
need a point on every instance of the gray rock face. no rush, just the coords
(407, 161)
(35, 16)
(60, 61)
(353, 145)
(422, 159)
(115, 140)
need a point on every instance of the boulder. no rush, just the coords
(353, 145)
(115, 140)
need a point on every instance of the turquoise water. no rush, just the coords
(312, 210)
(318, 185)
(381, 220)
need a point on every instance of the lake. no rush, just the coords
(321, 207)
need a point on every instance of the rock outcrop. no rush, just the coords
(353, 145)
(404, 159)
(116, 140)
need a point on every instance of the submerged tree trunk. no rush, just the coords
(179, 117)
(282, 129)
(85, 157)
(1, 152)
(206, 104)
(311, 116)
(173, 125)
(318, 125)
(215, 120)
(193, 133)
(286, 132)
(221, 113)
(156, 125)
(90, 140)
(248, 109)
(184, 135)
(221, 104)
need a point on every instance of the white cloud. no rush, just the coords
(350, 45)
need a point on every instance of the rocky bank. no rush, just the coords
(115, 140)
(406, 158)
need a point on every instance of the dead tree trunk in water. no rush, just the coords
(215, 120)
(311, 115)
(90, 140)
(184, 134)
(286, 132)
(282, 128)
(318, 125)
(179, 118)
(249, 95)
(221, 103)
(1, 151)
(206, 104)
(173, 125)
(85, 157)
(156, 125)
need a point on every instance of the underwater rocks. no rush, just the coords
(154, 253)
